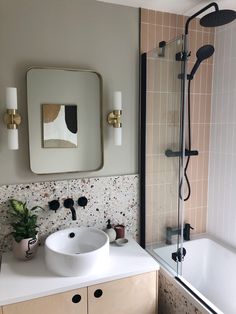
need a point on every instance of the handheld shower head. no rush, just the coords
(203, 53)
(218, 18)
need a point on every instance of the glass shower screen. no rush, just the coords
(163, 146)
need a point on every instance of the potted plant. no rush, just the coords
(25, 230)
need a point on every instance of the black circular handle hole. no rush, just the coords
(98, 293)
(76, 298)
(72, 235)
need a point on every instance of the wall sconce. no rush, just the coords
(12, 118)
(114, 118)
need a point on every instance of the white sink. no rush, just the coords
(76, 251)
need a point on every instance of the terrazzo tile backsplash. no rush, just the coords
(114, 198)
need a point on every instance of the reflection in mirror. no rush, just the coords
(65, 120)
(59, 126)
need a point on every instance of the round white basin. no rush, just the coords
(76, 251)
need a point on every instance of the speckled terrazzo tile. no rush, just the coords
(171, 300)
(112, 198)
(108, 197)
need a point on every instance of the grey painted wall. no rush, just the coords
(70, 33)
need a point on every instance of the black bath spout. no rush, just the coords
(177, 231)
(69, 203)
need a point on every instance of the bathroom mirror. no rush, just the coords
(65, 120)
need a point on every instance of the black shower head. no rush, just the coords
(218, 18)
(213, 19)
(203, 53)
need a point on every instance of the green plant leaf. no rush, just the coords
(18, 206)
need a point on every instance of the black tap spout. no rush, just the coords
(69, 203)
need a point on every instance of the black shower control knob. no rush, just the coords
(82, 201)
(76, 298)
(98, 293)
(54, 205)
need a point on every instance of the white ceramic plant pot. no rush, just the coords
(25, 249)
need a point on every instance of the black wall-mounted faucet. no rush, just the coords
(69, 203)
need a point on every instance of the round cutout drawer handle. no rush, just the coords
(76, 298)
(98, 293)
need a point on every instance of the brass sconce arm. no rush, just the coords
(114, 118)
(12, 119)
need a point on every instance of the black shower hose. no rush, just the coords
(189, 148)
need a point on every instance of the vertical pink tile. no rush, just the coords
(149, 141)
(149, 108)
(206, 164)
(166, 33)
(151, 37)
(204, 219)
(144, 16)
(150, 79)
(159, 18)
(203, 78)
(152, 17)
(209, 79)
(205, 192)
(159, 33)
(173, 20)
(208, 109)
(166, 19)
(207, 137)
(144, 38)
(180, 21)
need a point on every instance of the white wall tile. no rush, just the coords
(221, 220)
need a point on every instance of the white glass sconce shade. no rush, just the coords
(12, 139)
(11, 98)
(118, 129)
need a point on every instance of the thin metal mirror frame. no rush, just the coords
(101, 113)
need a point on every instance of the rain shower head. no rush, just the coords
(218, 18)
(213, 19)
(203, 53)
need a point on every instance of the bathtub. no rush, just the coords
(209, 270)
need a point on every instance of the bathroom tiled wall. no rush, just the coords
(162, 189)
(108, 197)
(222, 166)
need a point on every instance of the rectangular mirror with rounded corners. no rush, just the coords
(65, 120)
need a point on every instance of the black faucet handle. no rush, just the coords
(187, 225)
(69, 203)
(82, 201)
(186, 234)
(54, 205)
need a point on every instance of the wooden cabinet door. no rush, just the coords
(0, 310)
(72, 302)
(132, 295)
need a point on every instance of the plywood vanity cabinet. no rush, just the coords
(60, 303)
(131, 295)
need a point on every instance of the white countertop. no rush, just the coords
(21, 281)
